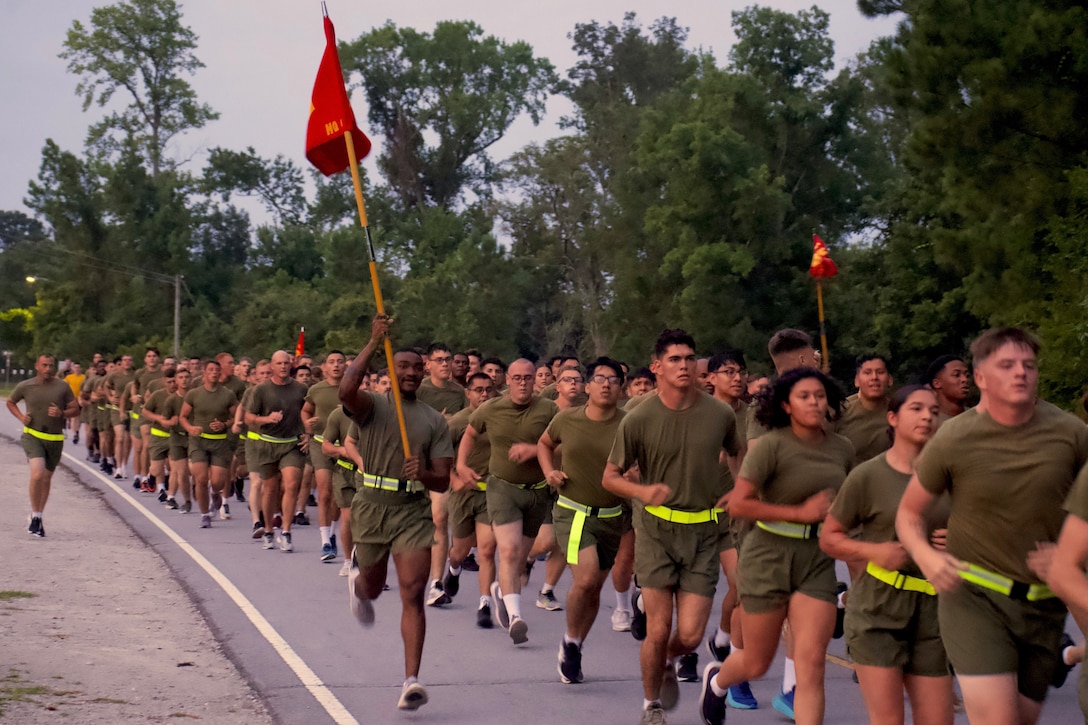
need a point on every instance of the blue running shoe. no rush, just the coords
(740, 697)
(783, 702)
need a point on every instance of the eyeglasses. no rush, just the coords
(602, 379)
(521, 378)
(441, 360)
(731, 372)
(480, 391)
(577, 381)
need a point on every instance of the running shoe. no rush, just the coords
(436, 596)
(570, 663)
(1062, 670)
(621, 620)
(687, 667)
(311, 501)
(346, 568)
(217, 500)
(638, 620)
(258, 529)
(163, 496)
(783, 702)
(269, 542)
(502, 617)
(224, 511)
(717, 654)
(412, 697)
(277, 521)
(840, 611)
(206, 521)
(301, 519)
(285, 542)
(172, 504)
(711, 706)
(361, 609)
(35, 527)
(740, 697)
(327, 553)
(547, 600)
(653, 715)
(137, 484)
(519, 630)
(238, 495)
(483, 616)
(186, 507)
(332, 543)
(527, 573)
(75, 439)
(470, 563)
(670, 689)
(451, 583)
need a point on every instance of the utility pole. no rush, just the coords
(177, 316)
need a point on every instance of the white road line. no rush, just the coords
(308, 677)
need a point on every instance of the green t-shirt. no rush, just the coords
(288, 398)
(866, 429)
(753, 429)
(786, 470)
(156, 403)
(632, 403)
(170, 409)
(446, 400)
(678, 447)
(1007, 483)
(508, 424)
(38, 398)
(325, 397)
(480, 456)
(336, 427)
(235, 385)
(209, 405)
(1076, 503)
(118, 380)
(741, 413)
(870, 497)
(586, 445)
(378, 435)
(144, 376)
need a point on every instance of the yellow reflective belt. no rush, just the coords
(601, 513)
(134, 415)
(43, 436)
(574, 545)
(899, 580)
(214, 436)
(791, 530)
(1004, 585)
(384, 483)
(319, 439)
(159, 433)
(112, 407)
(481, 485)
(683, 517)
(270, 439)
(252, 436)
(345, 464)
(535, 486)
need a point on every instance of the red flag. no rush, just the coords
(821, 266)
(300, 346)
(331, 116)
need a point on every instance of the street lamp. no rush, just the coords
(7, 366)
(31, 279)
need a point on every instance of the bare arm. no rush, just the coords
(351, 452)
(651, 494)
(1066, 572)
(186, 411)
(14, 408)
(545, 447)
(468, 440)
(744, 503)
(836, 543)
(354, 400)
(939, 567)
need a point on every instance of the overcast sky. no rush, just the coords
(261, 57)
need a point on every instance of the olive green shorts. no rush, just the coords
(343, 486)
(271, 458)
(726, 540)
(49, 450)
(381, 529)
(772, 568)
(179, 447)
(318, 459)
(116, 419)
(587, 532)
(85, 414)
(158, 447)
(467, 508)
(889, 627)
(986, 633)
(134, 428)
(102, 420)
(675, 556)
(507, 503)
(210, 451)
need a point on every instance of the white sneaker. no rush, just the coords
(224, 512)
(412, 697)
(345, 568)
(621, 620)
(285, 542)
(362, 609)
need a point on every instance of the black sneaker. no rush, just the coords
(171, 504)
(711, 707)
(717, 654)
(1060, 672)
(41, 529)
(528, 573)
(483, 617)
(136, 483)
(96, 458)
(35, 526)
(332, 543)
(311, 501)
(75, 439)
(258, 529)
(163, 496)
(301, 519)
(687, 667)
(570, 663)
(638, 620)
(238, 495)
(469, 564)
(451, 583)
(840, 613)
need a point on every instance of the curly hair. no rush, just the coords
(769, 401)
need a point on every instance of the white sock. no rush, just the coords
(513, 604)
(572, 640)
(789, 676)
(721, 638)
(716, 689)
(410, 680)
(623, 600)
(646, 704)
(456, 571)
(326, 532)
(839, 602)
(484, 602)
(36, 514)
(546, 588)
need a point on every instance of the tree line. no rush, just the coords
(945, 165)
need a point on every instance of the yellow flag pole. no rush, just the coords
(823, 333)
(377, 289)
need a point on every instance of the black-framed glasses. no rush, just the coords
(602, 379)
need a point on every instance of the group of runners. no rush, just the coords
(964, 529)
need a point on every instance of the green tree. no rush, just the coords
(142, 49)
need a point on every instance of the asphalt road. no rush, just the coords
(284, 620)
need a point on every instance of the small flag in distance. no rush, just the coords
(822, 265)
